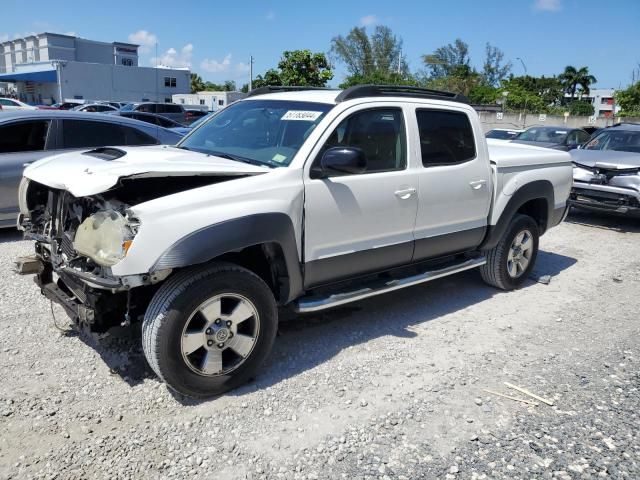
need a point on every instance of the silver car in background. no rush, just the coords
(27, 136)
(606, 171)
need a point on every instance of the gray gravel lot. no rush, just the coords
(388, 388)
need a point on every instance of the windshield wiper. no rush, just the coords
(238, 158)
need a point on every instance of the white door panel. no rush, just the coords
(359, 212)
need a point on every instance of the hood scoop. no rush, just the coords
(106, 153)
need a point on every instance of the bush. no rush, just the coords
(581, 108)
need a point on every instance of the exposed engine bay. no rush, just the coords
(79, 239)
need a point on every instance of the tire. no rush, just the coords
(204, 305)
(499, 269)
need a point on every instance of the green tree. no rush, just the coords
(449, 60)
(495, 70)
(581, 108)
(548, 89)
(629, 100)
(483, 94)
(304, 68)
(197, 85)
(297, 67)
(270, 78)
(371, 59)
(573, 78)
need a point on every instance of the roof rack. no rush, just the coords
(275, 89)
(360, 91)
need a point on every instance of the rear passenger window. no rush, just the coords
(24, 136)
(147, 108)
(133, 136)
(169, 108)
(82, 133)
(446, 138)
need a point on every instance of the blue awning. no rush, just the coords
(42, 76)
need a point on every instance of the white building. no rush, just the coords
(51, 67)
(211, 100)
(602, 101)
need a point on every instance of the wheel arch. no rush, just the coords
(535, 199)
(263, 243)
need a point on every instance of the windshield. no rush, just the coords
(544, 134)
(265, 132)
(501, 134)
(623, 141)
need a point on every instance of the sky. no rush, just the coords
(216, 39)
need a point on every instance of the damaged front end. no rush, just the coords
(77, 240)
(606, 188)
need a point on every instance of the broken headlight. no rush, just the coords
(104, 237)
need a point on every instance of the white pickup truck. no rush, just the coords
(306, 198)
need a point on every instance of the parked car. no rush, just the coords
(606, 172)
(194, 115)
(392, 186)
(9, 104)
(95, 108)
(154, 119)
(503, 133)
(560, 138)
(29, 136)
(170, 110)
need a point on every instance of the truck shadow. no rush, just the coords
(604, 221)
(8, 235)
(307, 341)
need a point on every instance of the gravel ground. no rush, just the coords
(392, 387)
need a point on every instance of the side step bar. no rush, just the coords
(316, 303)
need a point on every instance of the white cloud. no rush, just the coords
(4, 37)
(547, 5)
(71, 34)
(368, 20)
(145, 39)
(214, 66)
(173, 58)
(270, 15)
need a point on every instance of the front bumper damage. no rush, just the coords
(605, 198)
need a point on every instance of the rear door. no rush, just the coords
(454, 183)
(361, 223)
(21, 143)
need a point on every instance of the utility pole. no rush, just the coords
(250, 72)
(400, 62)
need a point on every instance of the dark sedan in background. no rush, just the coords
(560, 138)
(606, 171)
(27, 136)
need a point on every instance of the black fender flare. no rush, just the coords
(232, 235)
(538, 189)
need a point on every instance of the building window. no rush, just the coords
(170, 82)
(201, 101)
(127, 62)
(221, 103)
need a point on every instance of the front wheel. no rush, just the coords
(510, 262)
(208, 329)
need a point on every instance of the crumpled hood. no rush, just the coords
(82, 174)
(606, 159)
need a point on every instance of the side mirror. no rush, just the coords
(342, 161)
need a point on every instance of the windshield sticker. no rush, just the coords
(279, 158)
(303, 115)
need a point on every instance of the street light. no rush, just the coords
(523, 65)
(524, 121)
(505, 94)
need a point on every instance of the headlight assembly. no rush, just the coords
(104, 237)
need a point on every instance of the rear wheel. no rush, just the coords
(208, 329)
(510, 262)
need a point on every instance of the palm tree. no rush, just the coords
(197, 84)
(573, 78)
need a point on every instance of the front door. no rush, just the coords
(361, 223)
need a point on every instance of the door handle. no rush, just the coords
(478, 184)
(405, 193)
